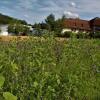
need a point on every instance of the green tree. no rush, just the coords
(51, 25)
(11, 28)
(18, 29)
(37, 26)
(50, 21)
(59, 25)
(63, 17)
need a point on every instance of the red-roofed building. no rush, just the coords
(79, 25)
(95, 24)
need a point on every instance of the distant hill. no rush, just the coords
(4, 19)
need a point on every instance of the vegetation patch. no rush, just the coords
(50, 70)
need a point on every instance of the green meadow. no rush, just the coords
(50, 69)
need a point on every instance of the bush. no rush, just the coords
(82, 35)
(18, 29)
(66, 34)
(74, 35)
(96, 35)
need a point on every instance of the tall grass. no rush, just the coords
(48, 69)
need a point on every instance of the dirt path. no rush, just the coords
(10, 38)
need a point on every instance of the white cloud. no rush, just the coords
(69, 14)
(36, 10)
(26, 4)
(73, 4)
(27, 16)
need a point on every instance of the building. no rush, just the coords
(79, 25)
(95, 24)
(4, 30)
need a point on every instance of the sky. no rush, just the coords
(37, 10)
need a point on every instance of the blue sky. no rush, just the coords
(36, 10)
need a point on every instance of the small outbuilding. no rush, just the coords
(4, 30)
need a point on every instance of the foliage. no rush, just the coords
(50, 21)
(67, 34)
(18, 29)
(45, 68)
(96, 35)
(59, 26)
(2, 79)
(6, 95)
(82, 35)
(51, 24)
(9, 96)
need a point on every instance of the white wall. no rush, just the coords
(4, 30)
(66, 30)
(69, 30)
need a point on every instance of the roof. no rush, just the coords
(77, 24)
(95, 21)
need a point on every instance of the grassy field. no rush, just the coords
(50, 69)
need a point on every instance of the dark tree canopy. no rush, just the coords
(50, 19)
(51, 24)
(4, 19)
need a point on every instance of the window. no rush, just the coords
(82, 25)
(75, 24)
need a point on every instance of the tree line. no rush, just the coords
(51, 26)
(4, 19)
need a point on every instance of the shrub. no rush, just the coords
(82, 35)
(96, 35)
(66, 34)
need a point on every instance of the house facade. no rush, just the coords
(4, 30)
(95, 24)
(79, 25)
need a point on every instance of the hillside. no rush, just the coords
(4, 19)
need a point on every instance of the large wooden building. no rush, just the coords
(95, 24)
(79, 25)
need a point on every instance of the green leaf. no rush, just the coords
(14, 66)
(2, 80)
(35, 84)
(58, 81)
(9, 96)
(1, 67)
